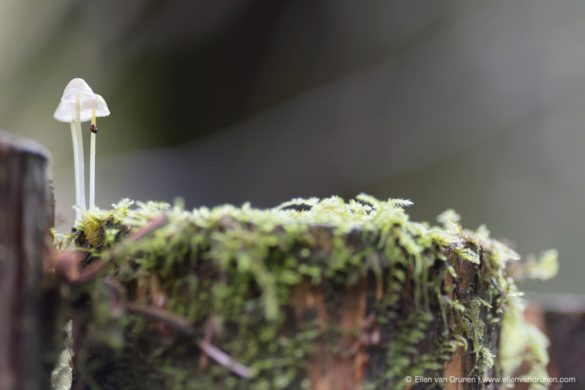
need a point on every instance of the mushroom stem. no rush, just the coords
(78, 160)
(77, 150)
(92, 162)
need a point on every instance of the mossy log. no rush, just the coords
(25, 219)
(314, 294)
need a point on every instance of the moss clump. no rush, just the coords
(430, 291)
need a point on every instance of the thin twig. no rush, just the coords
(176, 322)
(207, 337)
(225, 360)
(90, 272)
(184, 326)
(150, 227)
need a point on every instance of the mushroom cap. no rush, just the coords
(98, 104)
(77, 87)
(65, 111)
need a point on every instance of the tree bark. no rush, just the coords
(25, 218)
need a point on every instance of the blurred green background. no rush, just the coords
(472, 105)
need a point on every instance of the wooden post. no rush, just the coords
(25, 219)
(562, 318)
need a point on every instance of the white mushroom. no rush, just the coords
(77, 89)
(76, 94)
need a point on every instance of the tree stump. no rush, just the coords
(314, 294)
(25, 219)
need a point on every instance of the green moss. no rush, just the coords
(522, 343)
(240, 267)
(543, 268)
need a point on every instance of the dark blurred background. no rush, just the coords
(472, 105)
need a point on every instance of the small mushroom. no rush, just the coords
(76, 94)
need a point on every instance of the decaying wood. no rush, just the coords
(462, 364)
(25, 218)
(329, 370)
(454, 368)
